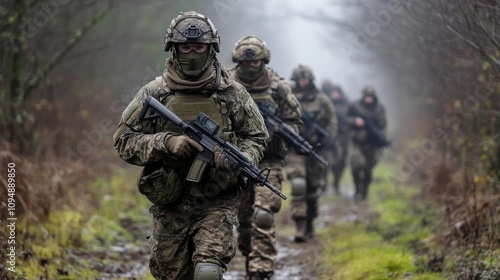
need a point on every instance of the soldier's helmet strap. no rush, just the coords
(218, 75)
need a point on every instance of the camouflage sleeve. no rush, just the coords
(130, 140)
(329, 116)
(248, 124)
(289, 107)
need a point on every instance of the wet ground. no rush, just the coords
(299, 261)
(295, 261)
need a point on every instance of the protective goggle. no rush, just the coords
(254, 62)
(187, 47)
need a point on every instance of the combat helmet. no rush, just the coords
(302, 71)
(191, 27)
(251, 48)
(369, 90)
(327, 86)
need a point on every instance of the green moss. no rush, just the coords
(377, 245)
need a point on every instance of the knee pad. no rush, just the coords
(207, 271)
(263, 219)
(298, 185)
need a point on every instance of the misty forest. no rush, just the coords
(70, 208)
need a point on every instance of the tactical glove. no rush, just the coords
(182, 146)
(222, 162)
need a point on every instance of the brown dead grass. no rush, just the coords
(471, 206)
(42, 184)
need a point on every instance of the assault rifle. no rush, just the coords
(313, 127)
(268, 111)
(373, 129)
(203, 130)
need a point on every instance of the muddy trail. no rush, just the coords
(295, 261)
(298, 261)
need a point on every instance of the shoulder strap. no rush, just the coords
(275, 84)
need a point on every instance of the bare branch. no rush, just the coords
(58, 57)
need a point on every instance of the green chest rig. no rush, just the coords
(188, 105)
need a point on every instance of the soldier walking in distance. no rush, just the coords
(307, 175)
(365, 147)
(257, 235)
(192, 221)
(337, 155)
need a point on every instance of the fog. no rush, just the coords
(313, 33)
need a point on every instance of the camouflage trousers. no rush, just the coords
(256, 243)
(337, 158)
(306, 206)
(363, 159)
(190, 231)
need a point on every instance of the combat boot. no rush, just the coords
(309, 228)
(301, 227)
(336, 189)
(366, 183)
(358, 184)
(259, 276)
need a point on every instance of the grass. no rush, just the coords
(378, 243)
(75, 244)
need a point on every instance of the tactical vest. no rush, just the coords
(187, 106)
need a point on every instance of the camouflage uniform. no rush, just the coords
(337, 155)
(307, 175)
(258, 205)
(364, 152)
(193, 230)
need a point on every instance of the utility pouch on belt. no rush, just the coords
(197, 169)
(158, 185)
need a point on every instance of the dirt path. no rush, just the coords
(300, 261)
(294, 262)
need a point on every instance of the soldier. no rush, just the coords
(306, 175)
(258, 205)
(337, 156)
(365, 150)
(193, 221)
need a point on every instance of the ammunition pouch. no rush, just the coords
(159, 185)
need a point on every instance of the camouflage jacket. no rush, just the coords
(377, 113)
(143, 142)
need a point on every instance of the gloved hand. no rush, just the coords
(182, 146)
(221, 161)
